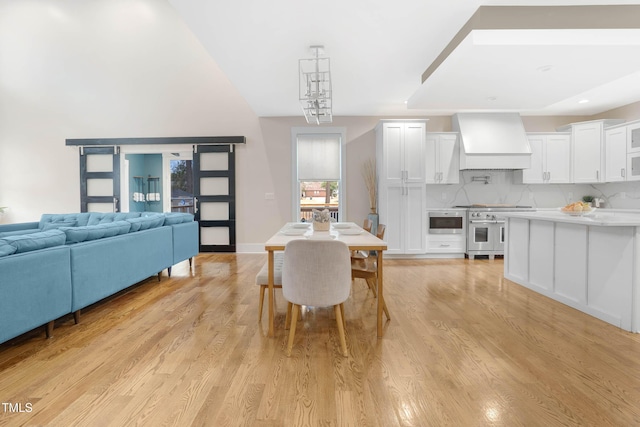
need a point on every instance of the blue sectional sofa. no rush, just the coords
(66, 262)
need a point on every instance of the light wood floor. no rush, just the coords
(465, 347)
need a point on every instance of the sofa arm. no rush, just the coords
(186, 242)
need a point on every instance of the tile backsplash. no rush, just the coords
(505, 187)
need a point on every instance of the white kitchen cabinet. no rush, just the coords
(402, 151)
(588, 150)
(400, 157)
(550, 159)
(586, 139)
(615, 154)
(633, 137)
(442, 161)
(585, 265)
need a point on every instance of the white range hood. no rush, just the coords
(492, 141)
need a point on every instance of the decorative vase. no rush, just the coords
(373, 217)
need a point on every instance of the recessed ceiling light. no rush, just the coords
(545, 68)
(583, 101)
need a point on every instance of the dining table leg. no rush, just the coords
(271, 308)
(381, 303)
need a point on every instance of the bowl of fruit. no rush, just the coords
(578, 209)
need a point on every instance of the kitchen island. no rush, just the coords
(586, 262)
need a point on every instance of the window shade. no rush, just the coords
(319, 157)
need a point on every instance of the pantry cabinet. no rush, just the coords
(400, 154)
(550, 159)
(442, 160)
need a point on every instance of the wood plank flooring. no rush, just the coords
(465, 347)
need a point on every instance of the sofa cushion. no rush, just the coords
(81, 218)
(35, 241)
(146, 222)
(93, 232)
(57, 224)
(19, 232)
(171, 218)
(6, 249)
(108, 217)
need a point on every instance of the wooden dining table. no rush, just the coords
(348, 232)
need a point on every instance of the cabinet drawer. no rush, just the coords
(439, 245)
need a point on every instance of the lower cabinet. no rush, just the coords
(446, 243)
(589, 268)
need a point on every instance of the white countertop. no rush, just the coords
(599, 217)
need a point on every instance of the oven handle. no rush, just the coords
(482, 222)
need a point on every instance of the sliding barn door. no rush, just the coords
(214, 185)
(99, 179)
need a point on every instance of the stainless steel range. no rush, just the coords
(486, 228)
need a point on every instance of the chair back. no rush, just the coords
(380, 231)
(316, 272)
(367, 225)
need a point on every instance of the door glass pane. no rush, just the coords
(214, 211)
(99, 187)
(214, 186)
(318, 195)
(99, 207)
(481, 235)
(214, 161)
(182, 186)
(214, 235)
(99, 162)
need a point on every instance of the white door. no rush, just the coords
(449, 157)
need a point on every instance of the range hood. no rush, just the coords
(492, 141)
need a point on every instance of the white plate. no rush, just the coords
(321, 237)
(293, 232)
(300, 225)
(351, 232)
(338, 225)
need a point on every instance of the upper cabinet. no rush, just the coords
(442, 165)
(588, 150)
(403, 151)
(550, 159)
(615, 154)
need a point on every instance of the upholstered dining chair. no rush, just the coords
(316, 273)
(367, 269)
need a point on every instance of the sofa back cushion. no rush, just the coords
(96, 218)
(93, 232)
(80, 219)
(171, 218)
(6, 249)
(35, 241)
(146, 222)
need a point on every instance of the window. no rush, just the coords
(318, 157)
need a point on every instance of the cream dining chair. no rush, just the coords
(316, 273)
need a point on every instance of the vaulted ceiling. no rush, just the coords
(505, 59)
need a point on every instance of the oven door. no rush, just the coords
(482, 235)
(498, 240)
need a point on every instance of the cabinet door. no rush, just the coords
(536, 173)
(432, 175)
(414, 155)
(615, 141)
(393, 136)
(392, 210)
(587, 152)
(558, 159)
(414, 219)
(449, 159)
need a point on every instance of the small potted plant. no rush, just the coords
(588, 200)
(321, 220)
